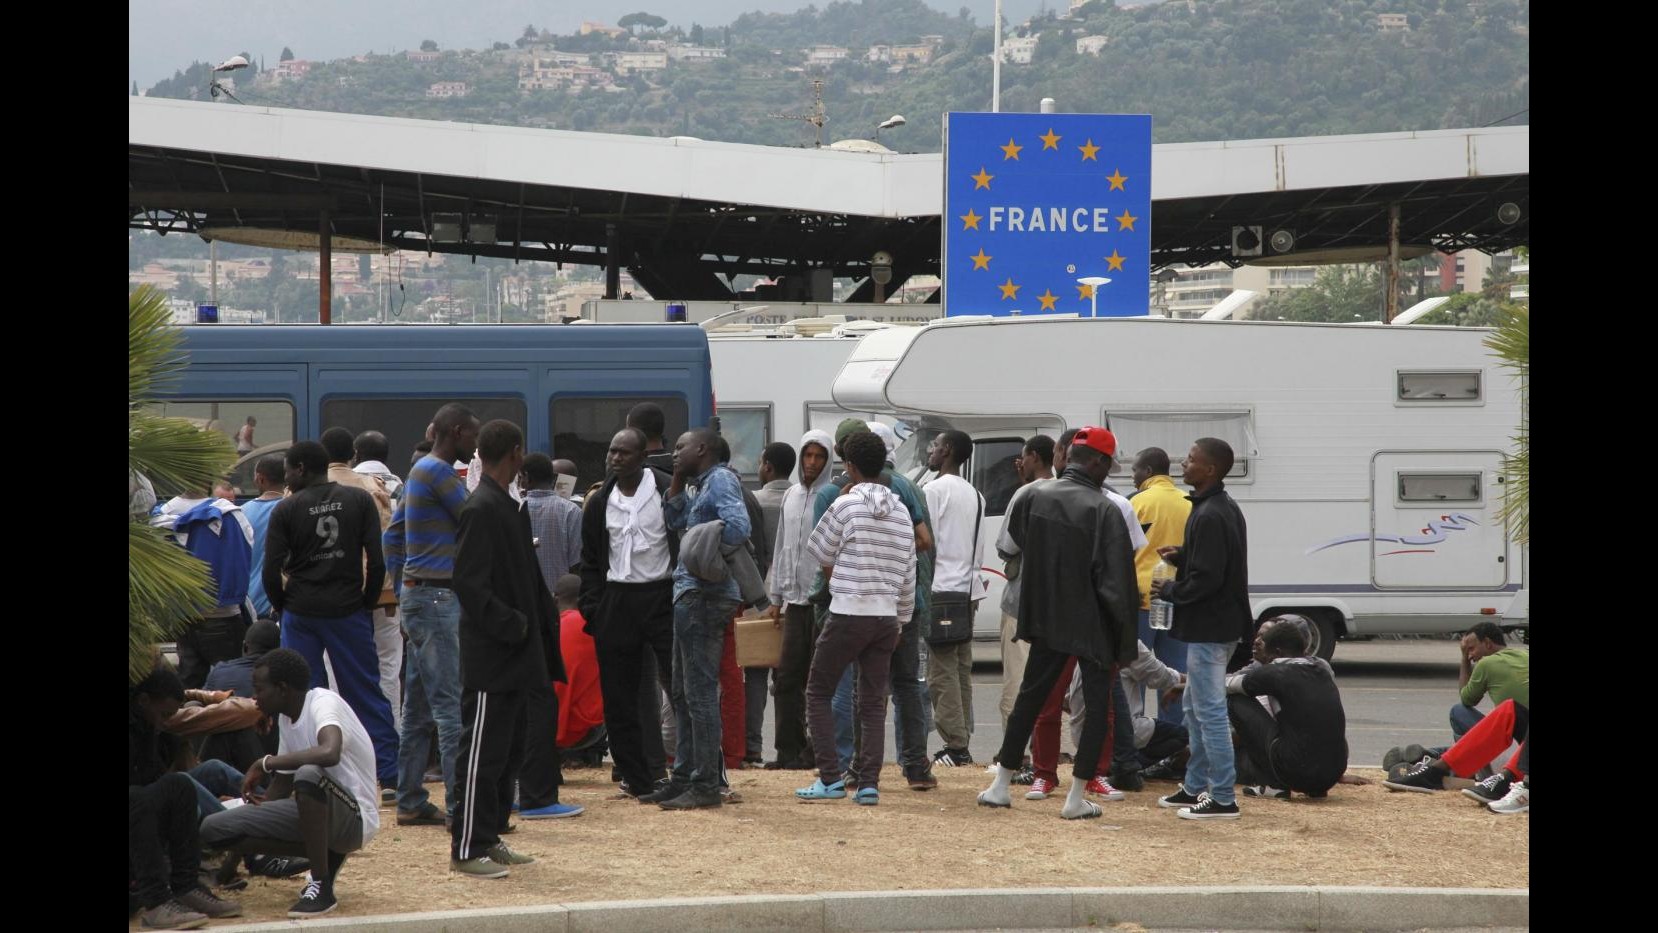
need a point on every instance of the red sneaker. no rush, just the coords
(1100, 787)
(1040, 789)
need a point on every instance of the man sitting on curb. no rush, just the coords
(323, 800)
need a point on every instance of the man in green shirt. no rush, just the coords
(1489, 666)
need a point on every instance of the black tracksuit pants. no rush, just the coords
(491, 748)
(632, 618)
(541, 774)
(1042, 670)
(1257, 758)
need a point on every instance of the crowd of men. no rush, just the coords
(477, 620)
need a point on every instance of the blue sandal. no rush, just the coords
(821, 791)
(867, 797)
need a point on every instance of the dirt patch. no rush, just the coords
(771, 843)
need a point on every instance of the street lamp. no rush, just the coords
(892, 122)
(1093, 282)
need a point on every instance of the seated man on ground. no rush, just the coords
(581, 734)
(323, 800)
(163, 848)
(1483, 743)
(1291, 728)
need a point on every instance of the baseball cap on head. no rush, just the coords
(848, 427)
(1098, 438)
(886, 434)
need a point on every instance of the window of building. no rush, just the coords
(1174, 432)
(582, 426)
(403, 420)
(1433, 488)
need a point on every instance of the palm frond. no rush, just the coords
(1511, 342)
(167, 589)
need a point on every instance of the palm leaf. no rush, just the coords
(167, 588)
(1511, 342)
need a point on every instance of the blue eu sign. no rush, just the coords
(1033, 202)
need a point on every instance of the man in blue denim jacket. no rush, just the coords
(701, 611)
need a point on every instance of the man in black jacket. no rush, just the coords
(627, 562)
(1210, 595)
(1078, 598)
(509, 646)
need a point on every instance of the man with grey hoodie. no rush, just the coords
(790, 582)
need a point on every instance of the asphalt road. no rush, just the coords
(1394, 693)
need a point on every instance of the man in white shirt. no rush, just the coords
(627, 561)
(322, 801)
(956, 509)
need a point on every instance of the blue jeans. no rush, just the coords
(699, 638)
(1169, 650)
(845, 733)
(1463, 718)
(349, 641)
(1212, 768)
(431, 691)
(214, 779)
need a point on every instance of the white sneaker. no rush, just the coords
(1518, 800)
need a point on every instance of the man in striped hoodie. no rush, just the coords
(866, 546)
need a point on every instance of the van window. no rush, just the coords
(992, 471)
(272, 431)
(582, 426)
(1433, 488)
(1439, 387)
(747, 428)
(1174, 432)
(403, 420)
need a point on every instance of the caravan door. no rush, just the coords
(1434, 520)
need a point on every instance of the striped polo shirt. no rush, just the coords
(432, 502)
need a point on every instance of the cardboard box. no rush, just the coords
(759, 641)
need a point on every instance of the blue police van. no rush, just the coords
(569, 387)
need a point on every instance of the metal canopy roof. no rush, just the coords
(679, 212)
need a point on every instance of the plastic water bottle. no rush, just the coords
(1162, 612)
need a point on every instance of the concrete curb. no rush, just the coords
(1251, 907)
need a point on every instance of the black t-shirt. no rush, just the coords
(1312, 727)
(318, 537)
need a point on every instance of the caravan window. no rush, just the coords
(273, 429)
(1439, 388)
(582, 426)
(1440, 487)
(992, 470)
(1174, 431)
(747, 428)
(403, 420)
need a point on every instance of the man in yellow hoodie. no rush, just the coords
(1162, 509)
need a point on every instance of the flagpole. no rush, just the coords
(996, 64)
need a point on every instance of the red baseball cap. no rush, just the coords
(1098, 438)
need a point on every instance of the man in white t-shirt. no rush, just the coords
(956, 509)
(323, 800)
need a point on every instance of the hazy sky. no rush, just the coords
(164, 36)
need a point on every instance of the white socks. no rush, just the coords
(997, 794)
(1076, 803)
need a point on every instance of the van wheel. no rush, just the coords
(1324, 629)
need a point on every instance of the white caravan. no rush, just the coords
(1368, 458)
(775, 389)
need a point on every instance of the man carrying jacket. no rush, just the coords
(509, 648)
(1077, 599)
(1211, 599)
(627, 561)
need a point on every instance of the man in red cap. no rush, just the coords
(1078, 599)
